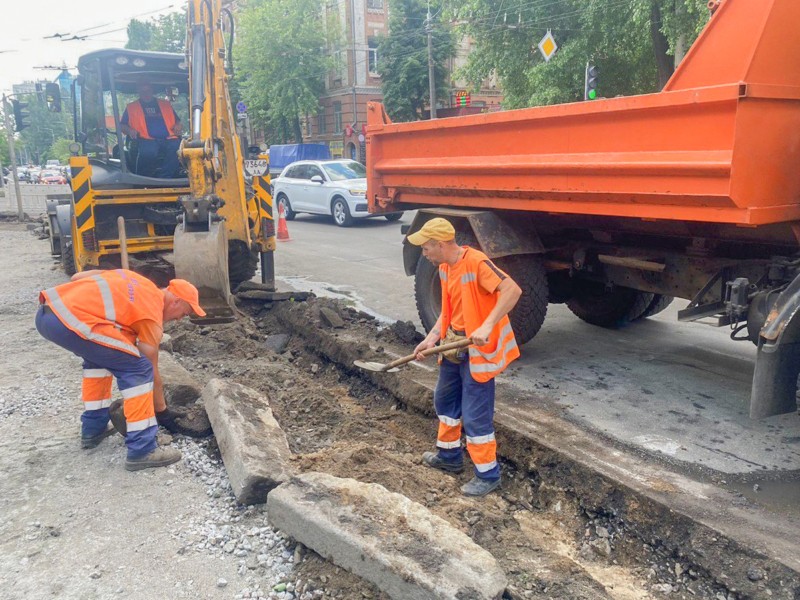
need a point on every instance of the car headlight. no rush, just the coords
(358, 192)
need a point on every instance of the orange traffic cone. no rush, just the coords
(283, 230)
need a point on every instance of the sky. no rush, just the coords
(24, 24)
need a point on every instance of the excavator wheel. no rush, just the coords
(67, 257)
(242, 262)
(617, 307)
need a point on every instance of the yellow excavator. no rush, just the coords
(203, 219)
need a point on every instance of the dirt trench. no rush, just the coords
(551, 542)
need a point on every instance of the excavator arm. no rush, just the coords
(222, 230)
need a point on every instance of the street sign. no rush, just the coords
(463, 98)
(361, 138)
(548, 46)
(241, 107)
(256, 168)
(241, 116)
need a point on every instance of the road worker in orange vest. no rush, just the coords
(155, 126)
(114, 321)
(476, 300)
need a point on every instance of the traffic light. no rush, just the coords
(20, 115)
(592, 73)
(52, 95)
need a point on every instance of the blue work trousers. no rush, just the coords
(459, 399)
(148, 163)
(133, 374)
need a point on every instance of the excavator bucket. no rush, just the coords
(202, 258)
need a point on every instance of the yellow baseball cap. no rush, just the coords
(186, 291)
(437, 229)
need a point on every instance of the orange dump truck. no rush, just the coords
(619, 205)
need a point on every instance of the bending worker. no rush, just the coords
(476, 299)
(114, 321)
(153, 123)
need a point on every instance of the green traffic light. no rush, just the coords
(592, 94)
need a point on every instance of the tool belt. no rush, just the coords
(457, 355)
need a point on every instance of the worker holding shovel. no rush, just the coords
(476, 300)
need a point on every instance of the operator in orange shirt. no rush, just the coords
(476, 300)
(114, 321)
(155, 126)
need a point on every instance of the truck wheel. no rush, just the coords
(427, 292)
(529, 274)
(596, 305)
(242, 263)
(658, 304)
(67, 257)
(393, 217)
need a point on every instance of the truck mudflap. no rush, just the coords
(774, 389)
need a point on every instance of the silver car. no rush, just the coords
(325, 187)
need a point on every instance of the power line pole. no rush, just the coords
(431, 78)
(13, 156)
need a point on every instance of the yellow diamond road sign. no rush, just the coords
(548, 46)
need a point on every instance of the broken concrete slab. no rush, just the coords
(252, 443)
(180, 387)
(259, 292)
(331, 318)
(397, 544)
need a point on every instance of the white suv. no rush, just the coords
(325, 187)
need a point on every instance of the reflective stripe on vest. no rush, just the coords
(83, 329)
(504, 333)
(137, 121)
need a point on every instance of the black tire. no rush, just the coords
(529, 313)
(393, 217)
(658, 304)
(527, 316)
(287, 207)
(67, 257)
(617, 307)
(242, 263)
(427, 292)
(341, 213)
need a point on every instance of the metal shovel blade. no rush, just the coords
(373, 366)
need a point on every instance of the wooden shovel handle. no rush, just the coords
(429, 352)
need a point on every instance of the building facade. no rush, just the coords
(341, 120)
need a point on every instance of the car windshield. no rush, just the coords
(341, 171)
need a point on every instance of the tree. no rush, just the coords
(59, 151)
(45, 128)
(403, 62)
(165, 33)
(281, 61)
(632, 42)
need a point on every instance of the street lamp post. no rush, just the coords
(13, 156)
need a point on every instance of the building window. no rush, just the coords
(339, 67)
(373, 56)
(337, 117)
(375, 4)
(321, 129)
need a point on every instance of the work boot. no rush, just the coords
(160, 457)
(479, 487)
(89, 442)
(434, 461)
(117, 415)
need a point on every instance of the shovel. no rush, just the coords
(392, 366)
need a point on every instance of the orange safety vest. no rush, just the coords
(102, 308)
(485, 362)
(137, 121)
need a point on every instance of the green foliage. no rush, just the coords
(45, 129)
(281, 61)
(59, 151)
(403, 63)
(166, 33)
(621, 37)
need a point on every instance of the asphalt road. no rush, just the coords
(679, 390)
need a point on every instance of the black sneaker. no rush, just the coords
(87, 443)
(479, 487)
(434, 461)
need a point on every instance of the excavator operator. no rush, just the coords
(156, 129)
